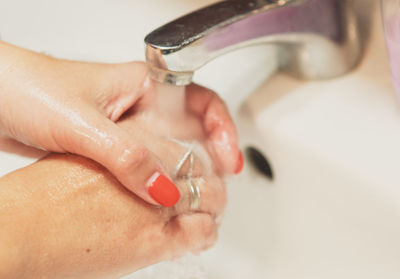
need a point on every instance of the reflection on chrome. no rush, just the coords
(317, 39)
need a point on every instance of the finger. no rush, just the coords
(191, 232)
(120, 86)
(218, 126)
(98, 138)
(212, 191)
(196, 164)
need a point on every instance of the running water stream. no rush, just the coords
(168, 117)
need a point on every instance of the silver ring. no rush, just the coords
(194, 189)
(195, 196)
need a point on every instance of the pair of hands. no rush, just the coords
(66, 214)
(72, 107)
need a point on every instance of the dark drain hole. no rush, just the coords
(259, 161)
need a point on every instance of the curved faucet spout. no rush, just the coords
(317, 39)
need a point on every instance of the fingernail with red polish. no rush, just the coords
(162, 190)
(239, 165)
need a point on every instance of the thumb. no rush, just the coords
(136, 167)
(117, 87)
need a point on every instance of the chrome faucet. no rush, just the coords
(316, 39)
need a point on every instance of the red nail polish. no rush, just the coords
(239, 165)
(162, 190)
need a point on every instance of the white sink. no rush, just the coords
(333, 208)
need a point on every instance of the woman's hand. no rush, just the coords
(67, 217)
(67, 106)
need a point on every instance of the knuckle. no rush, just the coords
(209, 233)
(128, 159)
(208, 228)
(214, 197)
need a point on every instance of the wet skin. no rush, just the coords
(67, 216)
(67, 106)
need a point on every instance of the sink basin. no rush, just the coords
(333, 207)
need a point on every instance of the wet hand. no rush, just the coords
(67, 217)
(67, 106)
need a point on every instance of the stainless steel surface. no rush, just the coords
(317, 39)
